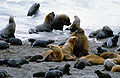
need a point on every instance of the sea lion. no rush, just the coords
(60, 21)
(100, 50)
(101, 35)
(53, 74)
(33, 9)
(110, 55)
(76, 24)
(4, 74)
(69, 45)
(4, 45)
(65, 68)
(94, 33)
(92, 59)
(109, 63)
(9, 30)
(102, 75)
(55, 54)
(69, 57)
(46, 26)
(108, 31)
(39, 74)
(79, 65)
(14, 41)
(116, 68)
(111, 42)
(82, 44)
(3, 61)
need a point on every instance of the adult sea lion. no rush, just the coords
(9, 30)
(46, 26)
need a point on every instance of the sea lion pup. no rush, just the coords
(79, 65)
(39, 74)
(100, 50)
(33, 9)
(46, 26)
(65, 68)
(116, 68)
(9, 30)
(94, 33)
(102, 75)
(4, 74)
(82, 44)
(60, 21)
(55, 54)
(53, 74)
(109, 63)
(94, 59)
(14, 41)
(75, 25)
(4, 45)
(110, 55)
(111, 42)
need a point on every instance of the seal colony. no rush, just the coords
(75, 48)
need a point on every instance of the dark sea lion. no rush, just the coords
(33, 9)
(46, 26)
(108, 31)
(94, 33)
(111, 42)
(102, 75)
(100, 50)
(39, 74)
(60, 21)
(16, 63)
(101, 35)
(3, 61)
(4, 74)
(79, 65)
(4, 45)
(75, 25)
(40, 43)
(14, 41)
(9, 30)
(82, 44)
(54, 74)
(65, 68)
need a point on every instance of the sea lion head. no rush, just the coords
(73, 39)
(50, 17)
(55, 47)
(80, 31)
(11, 19)
(37, 5)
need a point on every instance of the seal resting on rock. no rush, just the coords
(9, 30)
(46, 26)
(4, 45)
(53, 74)
(116, 68)
(75, 25)
(60, 21)
(33, 9)
(92, 59)
(109, 63)
(40, 43)
(110, 55)
(82, 44)
(111, 42)
(102, 75)
(14, 41)
(64, 68)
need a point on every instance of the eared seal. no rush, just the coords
(34, 8)
(9, 30)
(46, 26)
(14, 41)
(75, 25)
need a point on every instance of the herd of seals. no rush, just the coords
(75, 48)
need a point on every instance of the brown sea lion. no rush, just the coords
(94, 59)
(46, 26)
(55, 54)
(82, 44)
(76, 24)
(60, 21)
(110, 55)
(116, 68)
(9, 30)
